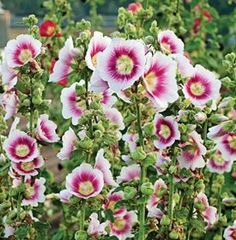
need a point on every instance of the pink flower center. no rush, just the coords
(25, 55)
(119, 223)
(22, 150)
(232, 142)
(26, 166)
(124, 65)
(165, 131)
(86, 188)
(197, 89)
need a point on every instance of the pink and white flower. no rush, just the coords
(46, 129)
(85, 182)
(95, 228)
(131, 139)
(217, 164)
(70, 105)
(28, 168)
(202, 86)
(227, 146)
(129, 173)
(121, 63)
(65, 196)
(97, 84)
(22, 50)
(9, 76)
(34, 192)
(166, 130)
(230, 232)
(192, 152)
(113, 198)
(122, 225)
(114, 116)
(216, 132)
(69, 140)
(160, 80)
(162, 163)
(104, 166)
(20, 147)
(108, 100)
(9, 101)
(97, 44)
(170, 43)
(62, 67)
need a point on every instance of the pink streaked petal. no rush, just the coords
(210, 216)
(108, 100)
(129, 173)
(114, 116)
(96, 228)
(131, 139)
(65, 196)
(69, 140)
(9, 76)
(97, 84)
(229, 231)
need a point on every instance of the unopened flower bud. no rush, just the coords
(174, 235)
(200, 117)
(129, 192)
(229, 202)
(148, 129)
(165, 220)
(199, 206)
(85, 143)
(150, 159)
(200, 185)
(80, 90)
(94, 105)
(147, 188)
(81, 235)
(138, 154)
(217, 237)
(217, 118)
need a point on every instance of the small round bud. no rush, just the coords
(138, 154)
(148, 129)
(81, 235)
(200, 117)
(150, 159)
(174, 235)
(147, 188)
(129, 192)
(165, 220)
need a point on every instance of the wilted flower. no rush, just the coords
(129, 173)
(65, 195)
(166, 130)
(97, 44)
(20, 147)
(131, 139)
(170, 43)
(47, 28)
(84, 181)
(95, 228)
(121, 63)
(135, 7)
(22, 50)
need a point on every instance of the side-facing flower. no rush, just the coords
(230, 232)
(47, 28)
(121, 63)
(192, 152)
(70, 104)
(20, 147)
(34, 192)
(114, 116)
(97, 44)
(202, 86)
(21, 50)
(103, 165)
(65, 195)
(69, 140)
(63, 67)
(135, 7)
(84, 181)
(170, 43)
(113, 198)
(166, 130)
(9, 76)
(160, 80)
(95, 228)
(129, 173)
(9, 101)
(131, 139)
(28, 168)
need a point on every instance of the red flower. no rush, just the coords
(134, 7)
(47, 28)
(207, 14)
(196, 25)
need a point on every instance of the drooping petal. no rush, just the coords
(129, 173)
(114, 116)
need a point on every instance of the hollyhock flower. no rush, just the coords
(192, 152)
(97, 84)
(196, 25)
(216, 132)
(217, 164)
(112, 199)
(170, 43)
(97, 44)
(69, 140)
(62, 67)
(114, 116)
(135, 7)
(184, 65)
(160, 81)
(104, 166)
(202, 86)
(9, 76)
(8, 229)
(230, 232)
(166, 130)
(28, 168)
(227, 145)
(131, 139)
(22, 50)
(95, 228)
(70, 105)
(129, 173)
(161, 163)
(46, 129)
(108, 100)
(20, 147)
(9, 101)
(64, 196)
(34, 192)
(47, 28)
(85, 182)
(122, 225)
(121, 63)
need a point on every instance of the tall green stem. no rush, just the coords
(31, 106)
(82, 215)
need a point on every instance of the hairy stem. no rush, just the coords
(82, 215)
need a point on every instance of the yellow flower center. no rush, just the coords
(86, 188)
(166, 48)
(29, 191)
(25, 55)
(94, 60)
(232, 141)
(27, 166)
(22, 150)
(150, 81)
(197, 89)
(219, 159)
(165, 131)
(50, 30)
(119, 223)
(124, 64)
